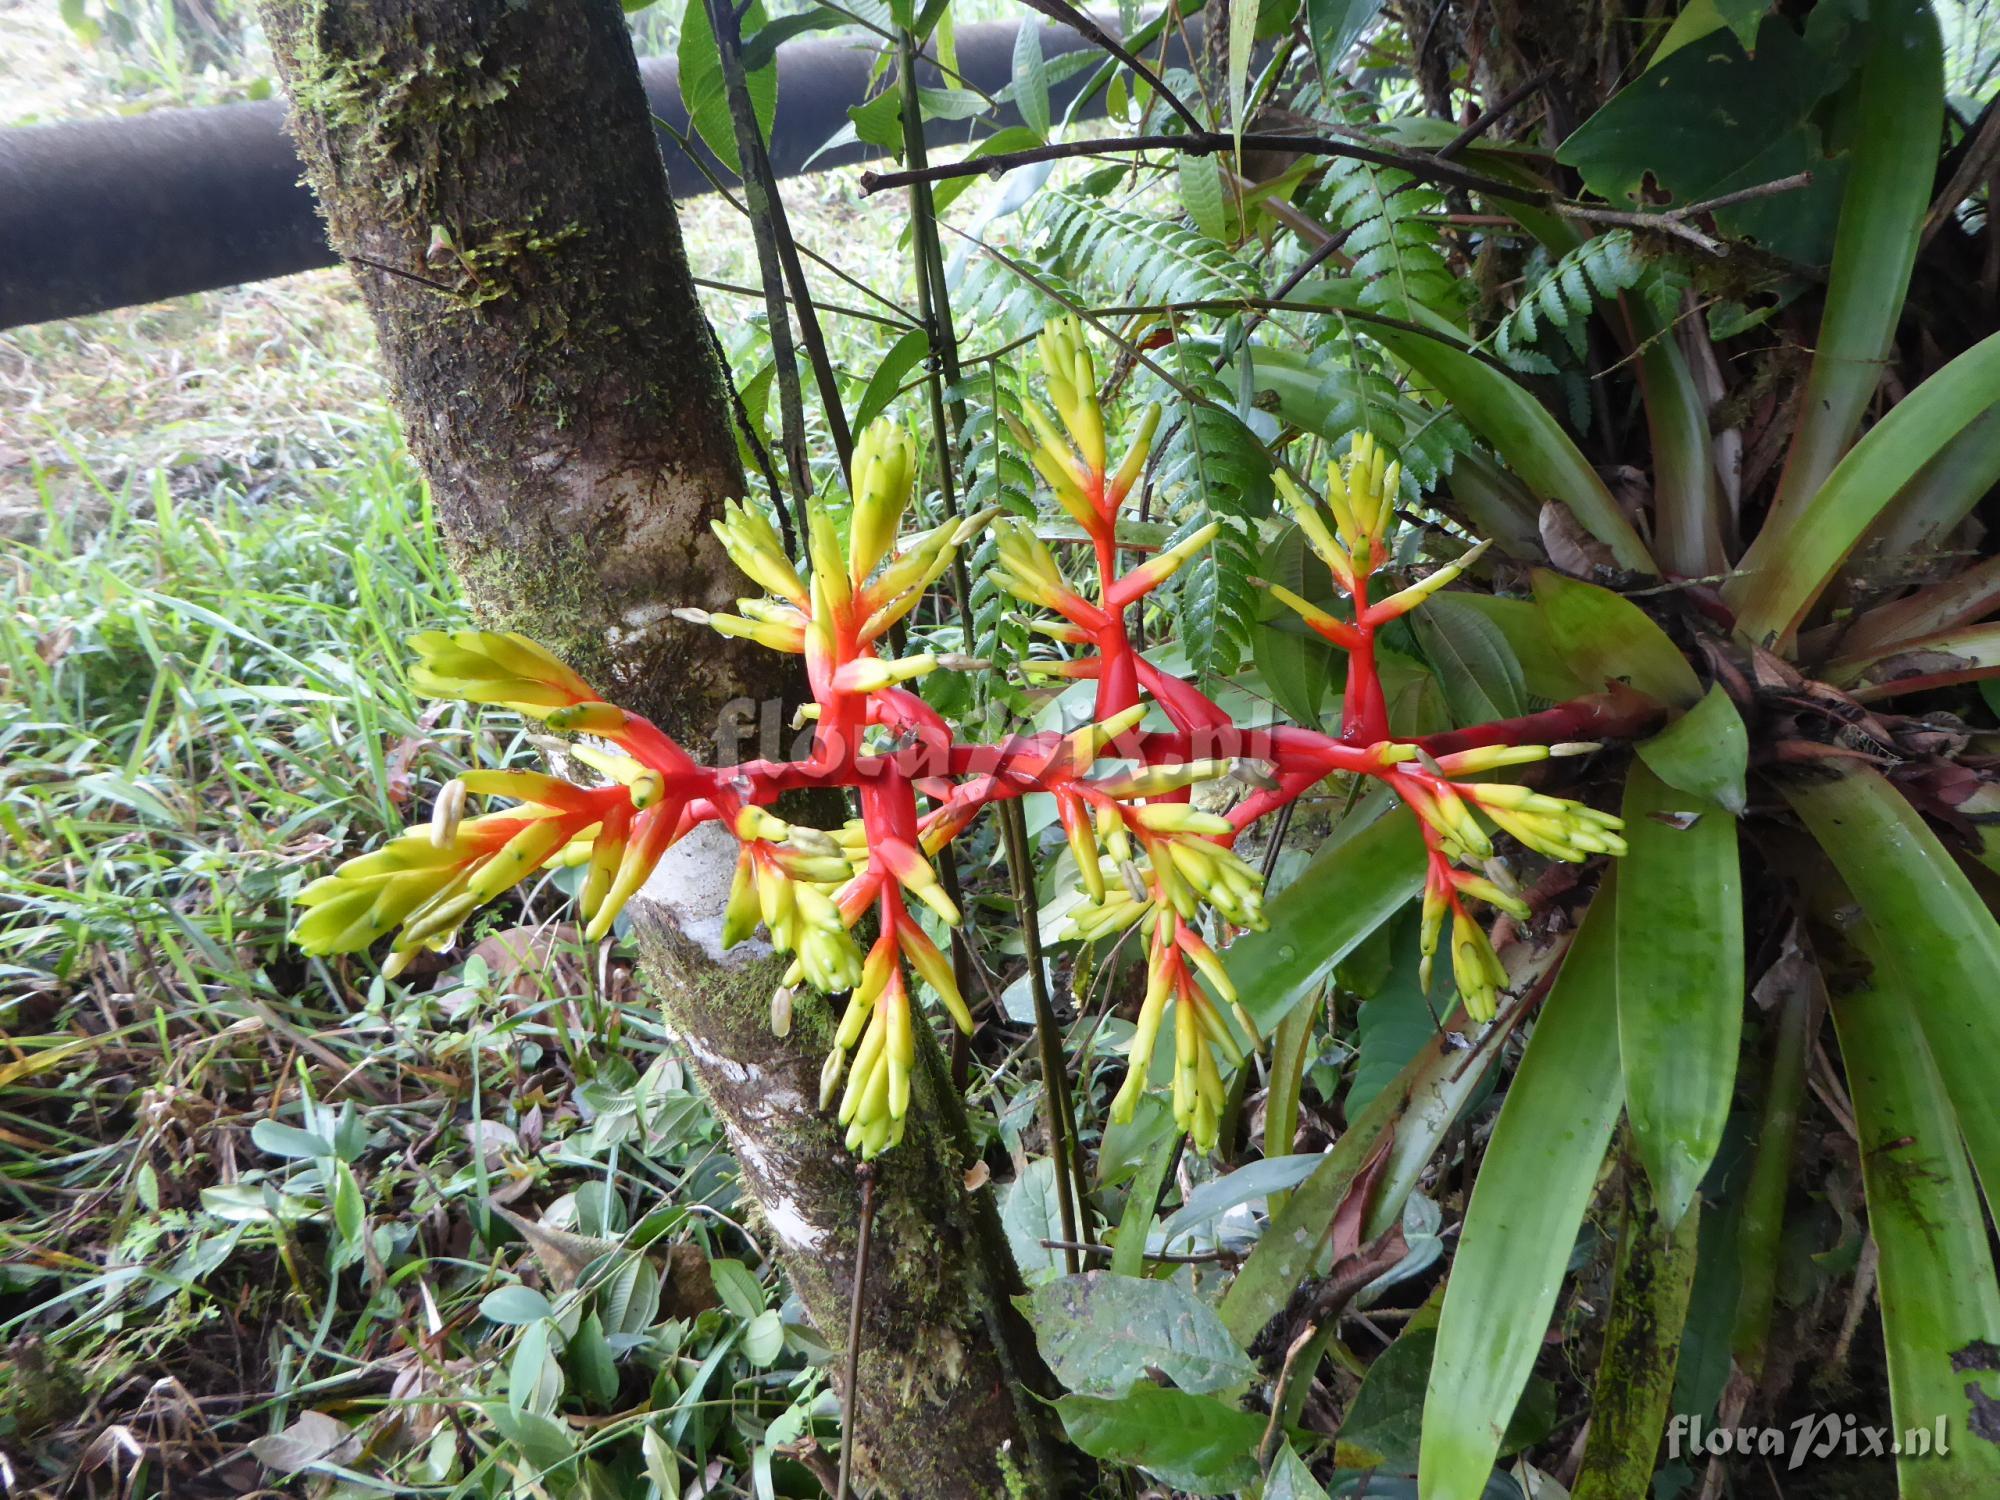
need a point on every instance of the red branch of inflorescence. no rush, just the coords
(1145, 854)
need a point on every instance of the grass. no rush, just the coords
(218, 546)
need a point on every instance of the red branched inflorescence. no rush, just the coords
(1144, 853)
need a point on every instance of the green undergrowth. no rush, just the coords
(261, 1211)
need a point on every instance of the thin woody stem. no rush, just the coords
(1202, 142)
(1047, 1028)
(864, 1232)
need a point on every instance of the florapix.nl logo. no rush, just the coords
(1819, 1435)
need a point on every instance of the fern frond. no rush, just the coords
(1393, 246)
(1138, 256)
(1564, 297)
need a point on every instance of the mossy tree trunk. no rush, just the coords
(489, 172)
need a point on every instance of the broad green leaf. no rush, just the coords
(1544, 672)
(1415, 1112)
(1701, 17)
(879, 122)
(1031, 79)
(705, 95)
(762, 46)
(1651, 1280)
(1030, 1213)
(1705, 752)
(1297, 665)
(1101, 1334)
(1396, 1019)
(1940, 1304)
(288, 1140)
(950, 104)
(1335, 26)
(1523, 434)
(1497, 505)
(1382, 1427)
(1353, 884)
(1290, 1479)
(1604, 636)
(1536, 1181)
(1474, 664)
(1934, 928)
(535, 1379)
(900, 358)
(764, 1337)
(1714, 118)
(1201, 193)
(1787, 566)
(515, 1305)
(544, 1442)
(1242, 37)
(1679, 981)
(738, 1288)
(1881, 221)
(350, 1213)
(628, 1298)
(661, 1465)
(592, 1374)
(1194, 1443)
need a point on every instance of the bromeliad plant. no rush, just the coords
(1145, 856)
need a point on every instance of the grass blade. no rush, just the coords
(1934, 929)
(1534, 1185)
(1940, 1304)
(1679, 982)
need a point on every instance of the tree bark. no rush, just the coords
(489, 172)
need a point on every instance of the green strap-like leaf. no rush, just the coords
(1934, 929)
(1881, 222)
(1415, 1111)
(1792, 559)
(1603, 636)
(1680, 981)
(1687, 497)
(1354, 884)
(1523, 433)
(1940, 1305)
(1533, 1188)
(1128, 1255)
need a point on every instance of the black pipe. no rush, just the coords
(109, 213)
